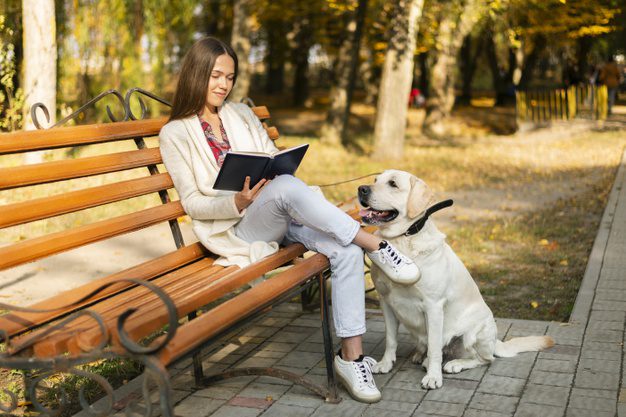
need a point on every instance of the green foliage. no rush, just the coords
(11, 99)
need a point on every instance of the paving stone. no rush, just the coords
(379, 412)
(597, 380)
(551, 365)
(394, 406)
(597, 335)
(611, 347)
(594, 393)
(579, 412)
(289, 337)
(218, 392)
(260, 331)
(471, 412)
(592, 404)
(306, 400)
(197, 406)
(551, 378)
(607, 325)
(278, 346)
(391, 393)
(600, 365)
(515, 369)
(610, 305)
(545, 394)
(474, 374)
(450, 394)
(301, 359)
(560, 352)
(256, 362)
(260, 390)
(536, 410)
(441, 408)
(310, 347)
(282, 410)
(346, 408)
(605, 316)
(230, 411)
(621, 410)
(601, 354)
(496, 403)
(503, 385)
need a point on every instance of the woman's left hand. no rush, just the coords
(246, 196)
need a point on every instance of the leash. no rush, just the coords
(346, 181)
(419, 224)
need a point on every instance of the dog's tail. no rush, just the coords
(516, 345)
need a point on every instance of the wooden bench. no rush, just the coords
(108, 316)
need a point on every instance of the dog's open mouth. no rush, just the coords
(372, 216)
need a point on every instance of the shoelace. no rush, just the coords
(396, 257)
(365, 371)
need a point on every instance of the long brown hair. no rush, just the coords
(193, 82)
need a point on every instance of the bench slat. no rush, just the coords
(63, 137)
(210, 290)
(16, 323)
(191, 335)
(76, 168)
(40, 247)
(110, 309)
(41, 208)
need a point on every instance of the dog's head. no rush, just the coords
(394, 201)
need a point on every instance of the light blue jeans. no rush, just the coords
(288, 211)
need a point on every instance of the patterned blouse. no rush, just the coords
(219, 148)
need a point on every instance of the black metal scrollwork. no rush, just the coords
(142, 104)
(65, 364)
(74, 115)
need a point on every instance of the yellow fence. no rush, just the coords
(541, 106)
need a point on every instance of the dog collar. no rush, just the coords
(419, 224)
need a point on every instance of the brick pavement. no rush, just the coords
(582, 376)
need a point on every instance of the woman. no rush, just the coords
(245, 226)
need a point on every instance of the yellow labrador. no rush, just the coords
(443, 311)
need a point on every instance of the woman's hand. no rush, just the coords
(246, 196)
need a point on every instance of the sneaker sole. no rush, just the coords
(354, 395)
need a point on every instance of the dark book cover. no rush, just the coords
(238, 165)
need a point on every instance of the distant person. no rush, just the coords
(416, 98)
(610, 76)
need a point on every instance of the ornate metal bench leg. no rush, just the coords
(198, 372)
(328, 343)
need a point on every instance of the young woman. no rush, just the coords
(245, 226)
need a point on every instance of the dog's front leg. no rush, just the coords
(391, 340)
(434, 321)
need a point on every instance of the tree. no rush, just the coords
(395, 84)
(40, 62)
(240, 41)
(454, 19)
(335, 128)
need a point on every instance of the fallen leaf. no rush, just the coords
(564, 262)
(544, 242)
(534, 304)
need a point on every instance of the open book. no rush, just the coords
(257, 165)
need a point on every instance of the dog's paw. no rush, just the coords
(453, 367)
(383, 367)
(431, 381)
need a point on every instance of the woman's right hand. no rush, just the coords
(246, 196)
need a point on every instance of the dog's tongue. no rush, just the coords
(364, 212)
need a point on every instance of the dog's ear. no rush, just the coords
(420, 197)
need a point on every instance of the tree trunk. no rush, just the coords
(275, 57)
(530, 61)
(303, 41)
(469, 59)
(395, 84)
(456, 21)
(40, 62)
(334, 130)
(368, 71)
(502, 79)
(424, 82)
(240, 40)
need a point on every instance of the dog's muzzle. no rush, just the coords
(371, 215)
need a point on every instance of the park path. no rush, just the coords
(583, 375)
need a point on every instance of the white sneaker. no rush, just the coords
(395, 265)
(357, 378)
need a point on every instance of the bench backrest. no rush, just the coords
(25, 199)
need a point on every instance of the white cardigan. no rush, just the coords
(193, 168)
